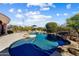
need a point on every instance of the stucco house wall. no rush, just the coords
(5, 20)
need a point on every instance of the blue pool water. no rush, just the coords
(40, 40)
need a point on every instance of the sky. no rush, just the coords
(28, 14)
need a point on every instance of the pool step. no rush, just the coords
(4, 52)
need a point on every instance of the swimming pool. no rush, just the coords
(40, 40)
(39, 46)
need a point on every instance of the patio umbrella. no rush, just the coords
(4, 18)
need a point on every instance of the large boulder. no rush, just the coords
(74, 51)
(71, 50)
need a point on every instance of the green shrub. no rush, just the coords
(9, 31)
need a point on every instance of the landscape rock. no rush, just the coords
(71, 50)
(74, 51)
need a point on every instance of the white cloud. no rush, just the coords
(19, 10)
(19, 16)
(14, 22)
(11, 10)
(41, 4)
(31, 17)
(68, 6)
(53, 6)
(36, 15)
(32, 13)
(75, 12)
(10, 3)
(37, 18)
(36, 4)
(61, 14)
(65, 14)
(45, 8)
(41, 17)
(57, 14)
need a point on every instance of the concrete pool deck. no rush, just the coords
(7, 40)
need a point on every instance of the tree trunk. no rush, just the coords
(77, 31)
